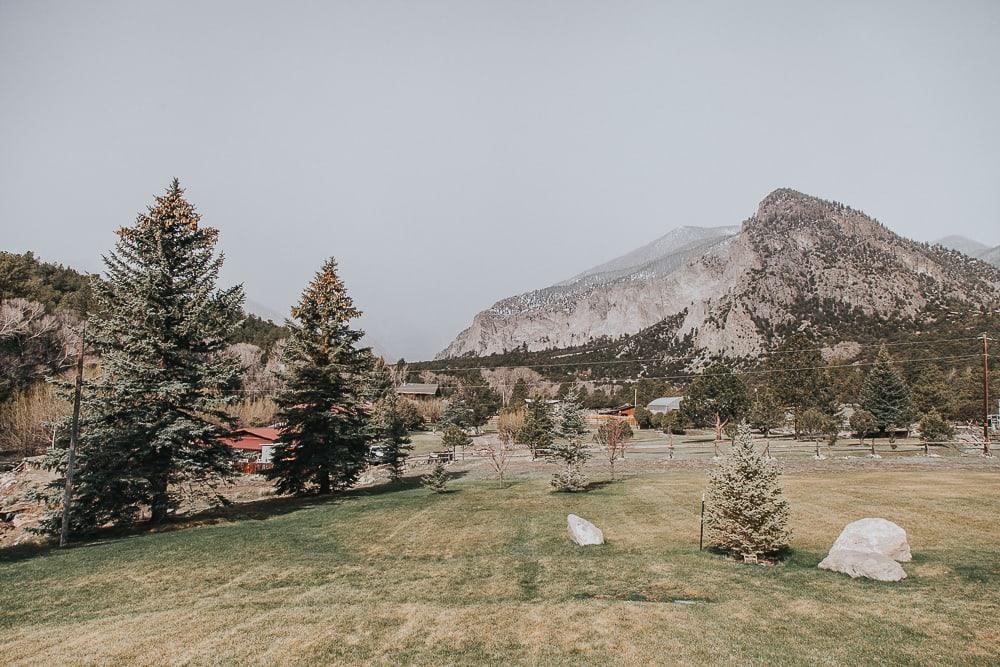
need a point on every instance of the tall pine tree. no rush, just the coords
(152, 421)
(324, 444)
(885, 394)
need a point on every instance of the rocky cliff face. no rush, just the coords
(799, 263)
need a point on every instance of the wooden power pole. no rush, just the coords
(74, 433)
(986, 395)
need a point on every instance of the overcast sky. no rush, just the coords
(453, 153)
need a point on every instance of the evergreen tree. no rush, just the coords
(378, 383)
(538, 431)
(934, 428)
(570, 450)
(715, 398)
(746, 514)
(152, 421)
(885, 394)
(324, 445)
(519, 394)
(482, 401)
(931, 391)
(454, 437)
(458, 413)
(437, 479)
(798, 379)
(391, 437)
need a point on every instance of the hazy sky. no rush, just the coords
(453, 153)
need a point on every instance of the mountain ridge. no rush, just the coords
(798, 260)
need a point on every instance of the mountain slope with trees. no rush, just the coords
(799, 264)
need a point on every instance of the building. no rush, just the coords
(417, 391)
(666, 404)
(254, 445)
(625, 412)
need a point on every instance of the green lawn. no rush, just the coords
(488, 575)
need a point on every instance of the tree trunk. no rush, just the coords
(159, 500)
(324, 481)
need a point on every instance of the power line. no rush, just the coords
(689, 376)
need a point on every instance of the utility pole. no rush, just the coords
(986, 395)
(74, 433)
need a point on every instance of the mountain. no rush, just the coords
(972, 248)
(991, 256)
(964, 244)
(799, 263)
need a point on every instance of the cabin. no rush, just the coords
(665, 404)
(253, 445)
(417, 391)
(625, 412)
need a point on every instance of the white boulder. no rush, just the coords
(869, 548)
(867, 564)
(875, 536)
(583, 532)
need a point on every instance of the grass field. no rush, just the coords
(484, 575)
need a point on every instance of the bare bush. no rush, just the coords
(32, 344)
(430, 410)
(511, 421)
(254, 412)
(27, 420)
(259, 375)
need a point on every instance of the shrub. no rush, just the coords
(746, 514)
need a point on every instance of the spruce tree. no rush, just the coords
(798, 379)
(324, 444)
(538, 431)
(454, 437)
(885, 394)
(746, 514)
(152, 420)
(390, 435)
(437, 479)
(570, 451)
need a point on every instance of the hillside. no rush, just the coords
(972, 248)
(63, 289)
(799, 263)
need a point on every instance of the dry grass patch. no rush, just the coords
(487, 575)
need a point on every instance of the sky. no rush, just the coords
(450, 154)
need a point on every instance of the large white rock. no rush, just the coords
(875, 536)
(583, 532)
(863, 564)
(869, 548)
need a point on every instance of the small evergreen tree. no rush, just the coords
(391, 435)
(570, 451)
(458, 413)
(324, 445)
(885, 394)
(378, 383)
(454, 437)
(934, 428)
(519, 394)
(746, 514)
(437, 479)
(151, 422)
(538, 431)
